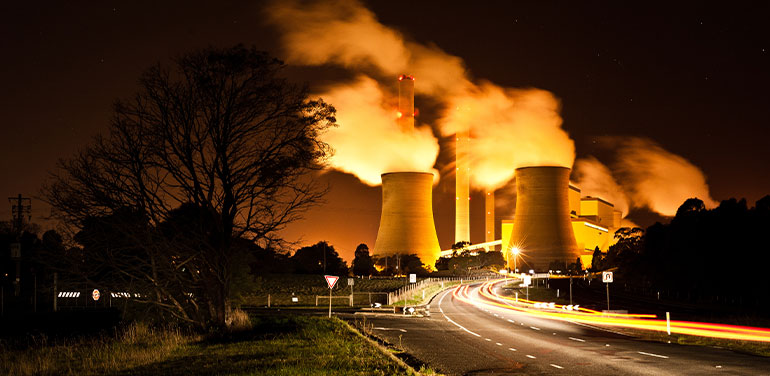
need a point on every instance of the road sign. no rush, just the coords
(350, 281)
(527, 280)
(412, 278)
(607, 277)
(95, 294)
(331, 280)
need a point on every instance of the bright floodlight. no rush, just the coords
(515, 250)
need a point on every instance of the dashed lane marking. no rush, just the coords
(488, 340)
(511, 348)
(557, 366)
(511, 321)
(651, 354)
(577, 339)
(531, 357)
(498, 343)
(535, 328)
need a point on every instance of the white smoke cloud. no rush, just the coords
(367, 141)
(595, 179)
(655, 178)
(510, 128)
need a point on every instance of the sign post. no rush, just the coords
(331, 280)
(607, 279)
(527, 282)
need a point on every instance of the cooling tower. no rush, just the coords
(406, 223)
(541, 224)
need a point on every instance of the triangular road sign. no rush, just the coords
(331, 280)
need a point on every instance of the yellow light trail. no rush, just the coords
(587, 316)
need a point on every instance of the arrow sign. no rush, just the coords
(331, 280)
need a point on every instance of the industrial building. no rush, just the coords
(552, 222)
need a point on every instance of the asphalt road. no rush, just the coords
(463, 339)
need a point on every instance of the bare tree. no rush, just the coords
(223, 134)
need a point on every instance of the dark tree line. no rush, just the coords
(717, 255)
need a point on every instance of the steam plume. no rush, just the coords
(509, 128)
(367, 141)
(655, 178)
(595, 179)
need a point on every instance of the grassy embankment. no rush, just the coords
(276, 345)
(749, 347)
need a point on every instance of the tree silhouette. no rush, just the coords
(219, 130)
(363, 264)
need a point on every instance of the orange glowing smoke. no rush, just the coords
(596, 180)
(510, 128)
(368, 140)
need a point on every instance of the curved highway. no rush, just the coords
(462, 338)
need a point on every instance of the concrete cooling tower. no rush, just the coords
(541, 224)
(406, 223)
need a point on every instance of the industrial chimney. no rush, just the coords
(406, 223)
(406, 102)
(541, 225)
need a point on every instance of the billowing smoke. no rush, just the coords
(655, 178)
(509, 128)
(595, 179)
(367, 141)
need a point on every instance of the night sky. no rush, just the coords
(693, 78)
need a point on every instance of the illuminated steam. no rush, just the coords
(655, 178)
(509, 128)
(596, 180)
(367, 141)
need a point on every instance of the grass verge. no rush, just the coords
(276, 345)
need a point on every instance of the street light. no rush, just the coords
(515, 252)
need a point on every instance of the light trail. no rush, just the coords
(490, 299)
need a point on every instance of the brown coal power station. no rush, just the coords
(552, 223)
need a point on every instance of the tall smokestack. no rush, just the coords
(462, 187)
(489, 217)
(406, 102)
(406, 223)
(541, 224)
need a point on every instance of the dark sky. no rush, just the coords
(692, 77)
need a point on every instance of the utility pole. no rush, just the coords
(22, 205)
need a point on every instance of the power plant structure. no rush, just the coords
(406, 221)
(552, 223)
(462, 187)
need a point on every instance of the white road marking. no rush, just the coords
(535, 328)
(498, 343)
(381, 328)
(511, 348)
(496, 315)
(651, 354)
(488, 340)
(452, 321)
(577, 339)
(511, 321)
(557, 366)
(531, 357)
